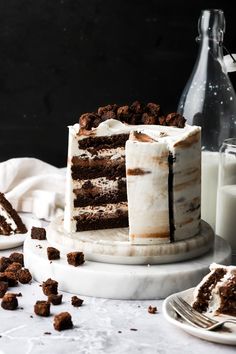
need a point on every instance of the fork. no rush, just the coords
(196, 318)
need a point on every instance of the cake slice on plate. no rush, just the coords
(216, 293)
(10, 221)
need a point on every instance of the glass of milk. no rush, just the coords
(226, 194)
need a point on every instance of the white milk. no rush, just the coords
(210, 162)
(226, 214)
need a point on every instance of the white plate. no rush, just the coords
(18, 239)
(220, 336)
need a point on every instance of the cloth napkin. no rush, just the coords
(33, 186)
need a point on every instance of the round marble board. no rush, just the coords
(113, 246)
(119, 281)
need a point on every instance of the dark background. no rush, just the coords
(60, 58)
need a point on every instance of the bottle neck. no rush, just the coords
(211, 46)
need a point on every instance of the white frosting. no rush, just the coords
(8, 218)
(148, 198)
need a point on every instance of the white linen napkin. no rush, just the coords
(33, 186)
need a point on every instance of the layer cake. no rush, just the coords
(100, 161)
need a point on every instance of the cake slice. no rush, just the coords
(216, 293)
(10, 221)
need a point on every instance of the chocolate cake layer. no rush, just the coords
(228, 298)
(111, 169)
(103, 142)
(102, 223)
(5, 228)
(201, 304)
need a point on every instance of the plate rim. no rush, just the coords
(216, 337)
(16, 240)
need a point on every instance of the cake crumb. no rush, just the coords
(152, 309)
(133, 329)
(55, 299)
(47, 333)
(76, 301)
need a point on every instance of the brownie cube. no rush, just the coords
(4, 263)
(42, 308)
(3, 288)
(53, 253)
(62, 321)
(55, 299)
(24, 276)
(17, 257)
(76, 301)
(10, 277)
(75, 258)
(14, 267)
(38, 233)
(9, 301)
(50, 287)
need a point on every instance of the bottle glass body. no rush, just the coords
(209, 101)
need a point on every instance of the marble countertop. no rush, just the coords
(100, 326)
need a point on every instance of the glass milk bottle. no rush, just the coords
(209, 100)
(226, 194)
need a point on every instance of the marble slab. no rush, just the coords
(113, 246)
(117, 281)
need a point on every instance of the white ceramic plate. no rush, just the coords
(18, 239)
(220, 336)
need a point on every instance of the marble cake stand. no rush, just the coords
(122, 281)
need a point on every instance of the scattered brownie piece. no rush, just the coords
(17, 257)
(50, 287)
(4, 263)
(24, 276)
(152, 309)
(14, 267)
(38, 233)
(55, 299)
(62, 321)
(75, 258)
(42, 308)
(9, 301)
(3, 288)
(53, 253)
(10, 277)
(76, 301)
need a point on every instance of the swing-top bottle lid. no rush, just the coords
(211, 23)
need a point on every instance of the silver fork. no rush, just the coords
(196, 318)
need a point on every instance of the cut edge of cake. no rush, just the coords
(216, 293)
(10, 221)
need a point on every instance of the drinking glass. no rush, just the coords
(226, 194)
